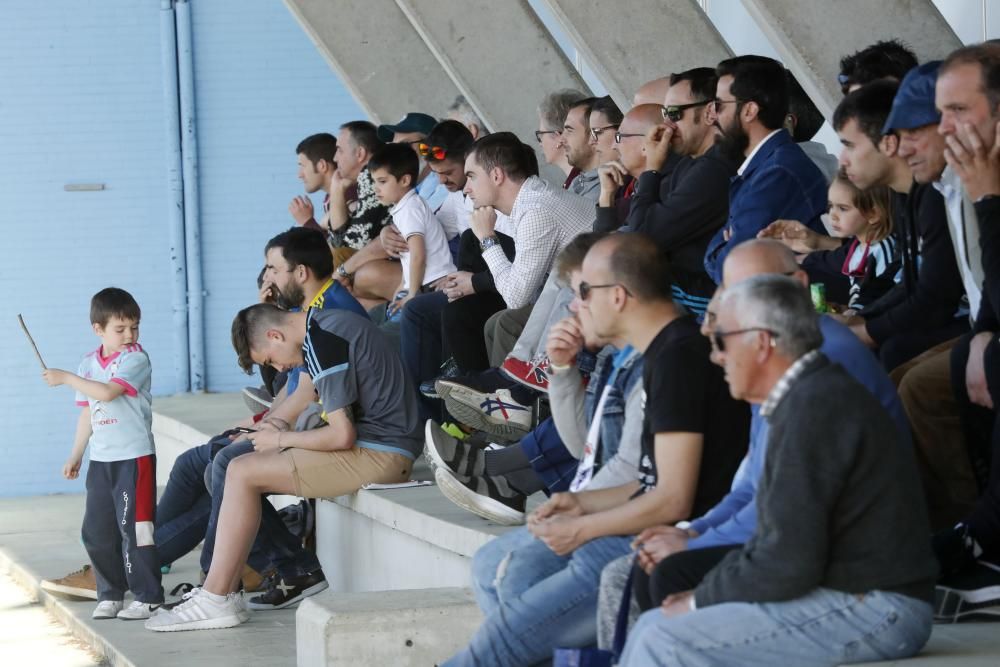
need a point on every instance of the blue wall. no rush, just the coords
(81, 102)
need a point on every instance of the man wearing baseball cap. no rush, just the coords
(927, 307)
(412, 129)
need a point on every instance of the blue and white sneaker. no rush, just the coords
(495, 412)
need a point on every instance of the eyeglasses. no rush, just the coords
(718, 103)
(586, 288)
(676, 111)
(596, 132)
(541, 133)
(621, 135)
(436, 152)
(718, 338)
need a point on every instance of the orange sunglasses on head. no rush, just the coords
(436, 152)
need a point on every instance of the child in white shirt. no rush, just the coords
(394, 169)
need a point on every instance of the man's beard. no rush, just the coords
(733, 141)
(291, 297)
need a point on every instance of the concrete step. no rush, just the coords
(414, 627)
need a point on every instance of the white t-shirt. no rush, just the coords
(122, 428)
(412, 215)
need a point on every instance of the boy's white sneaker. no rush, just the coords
(137, 611)
(107, 609)
(201, 611)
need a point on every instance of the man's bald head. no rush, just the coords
(652, 92)
(642, 117)
(637, 122)
(760, 256)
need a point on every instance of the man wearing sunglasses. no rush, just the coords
(683, 207)
(412, 130)
(840, 557)
(776, 180)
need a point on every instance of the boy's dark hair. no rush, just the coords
(364, 134)
(571, 257)
(889, 58)
(505, 150)
(987, 56)
(454, 137)
(113, 302)
(588, 105)
(607, 106)
(869, 106)
(761, 80)
(702, 80)
(305, 246)
(808, 119)
(639, 264)
(397, 159)
(248, 326)
(318, 147)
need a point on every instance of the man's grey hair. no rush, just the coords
(554, 108)
(463, 112)
(780, 305)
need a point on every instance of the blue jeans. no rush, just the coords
(183, 511)
(824, 628)
(274, 545)
(542, 601)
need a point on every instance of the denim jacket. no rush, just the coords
(613, 419)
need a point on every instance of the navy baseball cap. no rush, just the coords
(411, 122)
(913, 105)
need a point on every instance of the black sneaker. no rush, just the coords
(973, 592)
(955, 549)
(444, 450)
(449, 369)
(487, 496)
(284, 592)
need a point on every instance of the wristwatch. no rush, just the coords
(488, 243)
(342, 272)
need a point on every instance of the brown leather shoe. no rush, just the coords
(79, 584)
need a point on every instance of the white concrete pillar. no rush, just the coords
(812, 35)
(500, 56)
(378, 55)
(630, 43)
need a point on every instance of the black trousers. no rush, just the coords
(982, 436)
(462, 321)
(678, 573)
(900, 348)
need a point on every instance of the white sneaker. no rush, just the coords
(107, 609)
(201, 611)
(242, 608)
(138, 611)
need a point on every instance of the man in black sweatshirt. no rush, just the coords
(839, 570)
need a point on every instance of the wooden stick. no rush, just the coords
(31, 340)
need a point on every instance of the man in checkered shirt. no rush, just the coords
(502, 175)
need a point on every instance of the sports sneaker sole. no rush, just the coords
(255, 404)
(123, 617)
(482, 506)
(430, 449)
(205, 624)
(69, 591)
(952, 606)
(464, 406)
(312, 590)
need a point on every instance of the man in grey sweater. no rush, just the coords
(840, 569)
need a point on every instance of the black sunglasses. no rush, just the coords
(586, 288)
(718, 338)
(676, 111)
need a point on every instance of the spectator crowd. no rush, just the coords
(654, 346)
